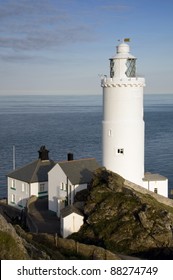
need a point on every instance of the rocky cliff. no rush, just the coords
(11, 245)
(17, 244)
(121, 219)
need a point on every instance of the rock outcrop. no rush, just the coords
(11, 245)
(15, 243)
(124, 220)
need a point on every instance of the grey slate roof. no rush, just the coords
(79, 171)
(153, 177)
(69, 210)
(36, 171)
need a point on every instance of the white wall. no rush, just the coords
(161, 186)
(35, 189)
(55, 178)
(123, 128)
(70, 224)
(20, 192)
(56, 195)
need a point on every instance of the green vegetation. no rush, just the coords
(9, 249)
(123, 220)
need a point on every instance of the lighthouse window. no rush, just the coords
(155, 190)
(109, 132)
(111, 68)
(120, 151)
(131, 67)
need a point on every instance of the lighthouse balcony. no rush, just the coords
(123, 82)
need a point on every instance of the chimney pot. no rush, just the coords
(43, 153)
(70, 156)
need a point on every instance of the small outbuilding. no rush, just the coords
(71, 219)
(156, 183)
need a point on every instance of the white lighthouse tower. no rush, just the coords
(123, 124)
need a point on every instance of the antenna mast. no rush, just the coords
(14, 157)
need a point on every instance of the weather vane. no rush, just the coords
(124, 40)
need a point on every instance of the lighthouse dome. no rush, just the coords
(123, 51)
(123, 48)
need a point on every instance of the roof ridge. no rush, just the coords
(80, 159)
(24, 166)
(36, 168)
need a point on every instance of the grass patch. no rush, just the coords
(9, 249)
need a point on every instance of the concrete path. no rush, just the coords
(44, 220)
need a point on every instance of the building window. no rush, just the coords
(13, 186)
(171, 191)
(27, 188)
(120, 151)
(155, 190)
(63, 186)
(23, 187)
(42, 188)
(13, 198)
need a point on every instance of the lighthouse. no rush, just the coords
(123, 124)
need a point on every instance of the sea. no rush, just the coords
(73, 124)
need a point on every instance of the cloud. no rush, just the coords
(16, 58)
(45, 39)
(116, 7)
(29, 25)
(49, 25)
(15, 8)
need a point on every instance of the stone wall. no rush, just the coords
(159, 198)
(73, 248)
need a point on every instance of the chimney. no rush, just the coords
(69, 156)
(43, 153)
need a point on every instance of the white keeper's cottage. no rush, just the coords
(66, 179)
(31, 179)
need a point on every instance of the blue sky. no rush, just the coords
(61, 46)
